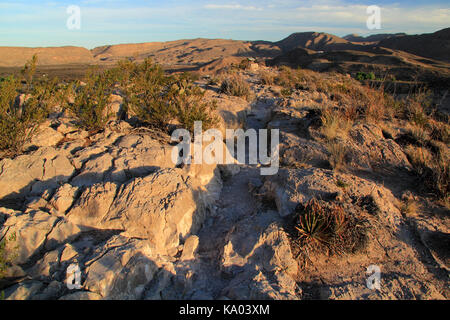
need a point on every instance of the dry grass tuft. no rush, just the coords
(236, 86)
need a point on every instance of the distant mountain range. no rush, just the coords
(313, 50)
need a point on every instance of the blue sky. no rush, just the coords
(43, 23)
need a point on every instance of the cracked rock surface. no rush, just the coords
(138, 227)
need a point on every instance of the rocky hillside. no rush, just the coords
(139, 227)
(373, 37)
(433, 45)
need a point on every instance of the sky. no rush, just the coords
(103, 22)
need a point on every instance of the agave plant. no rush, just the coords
(314, 225)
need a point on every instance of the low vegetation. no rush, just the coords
(149, 94)
(235, 85)
(6, 256)
(91, 102)
(326, 227)
(432, 169)
(23, 109)
(337, 155)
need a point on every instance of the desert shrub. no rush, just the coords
(417, 134)
(159, 99)
(337, 154)
(439, 131)
(29, 70)
(361, 76)
(366, 103)
(91, 101)
(356, 101)
(235, 85)
(6, 256)
(148, 94)
(18, 123)
(341, 184)
(323, 227)
(433, 169)
(244, 64)
(286, 77)
(333, 124)
(410, 208)
(189, 105)
(286, 92)
(267, 77)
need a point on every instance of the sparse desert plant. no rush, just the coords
(18, 123)
(439, 131)
(158, 99)
(433, 169)
(410, 208)
(147, 96)
(190, 106)
(416, 107)
(337, 155)
(235, 85)
(314, 225)
(323, 227)
(29, 70)
(361, 76)
(7, 256)
(286, 92)
(334, 124)
(418, 134)
(244, 64)
(91, 101)
(267, 77)
(341, 184)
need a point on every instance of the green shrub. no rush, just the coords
(6, 256)
(19, 123)
(29, 70)
(148, 94)
(361, 76)
(159, 99)
(91, 101)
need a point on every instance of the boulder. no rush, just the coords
(121, 273)
(30, 232)
(44, 169)
(46, 137)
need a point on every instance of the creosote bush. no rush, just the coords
(160, 99)
(92, 101)
(22, 110)
(154, 97)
